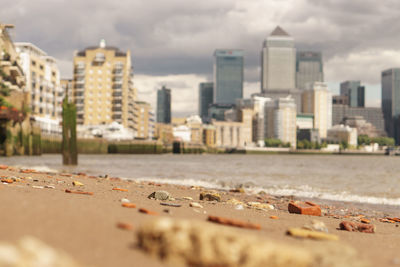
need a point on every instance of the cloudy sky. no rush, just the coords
(172, 41)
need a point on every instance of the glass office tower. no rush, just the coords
(164, 105)
(228, 76)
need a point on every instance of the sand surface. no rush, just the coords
(84, 226)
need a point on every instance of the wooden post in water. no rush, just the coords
(69, 145)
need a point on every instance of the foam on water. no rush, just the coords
(303, 191)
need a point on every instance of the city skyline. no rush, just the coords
(166, 52)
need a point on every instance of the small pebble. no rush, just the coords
(125, 200)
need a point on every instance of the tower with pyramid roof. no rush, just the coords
(278, 69)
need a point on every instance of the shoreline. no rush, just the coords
(85, 225)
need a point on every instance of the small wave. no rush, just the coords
(303, 191)
(38, 168)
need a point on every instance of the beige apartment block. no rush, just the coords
(317, 100)
(234, 134)
(280, 120)
(145, 120)
(103, 86)
(43, 86)
(343, 133)
(164, 133)
(209, 135)
(11, 75)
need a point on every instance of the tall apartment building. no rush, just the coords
(145, 120)
(355, 93)
(309, 68)
(42, 81)
(317, 100)
(280, 120)
(164, 105)
(228, 75)
(278, 57)
(391, 101)
(205, 99)
(103, 86)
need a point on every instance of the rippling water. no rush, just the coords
(366, 179)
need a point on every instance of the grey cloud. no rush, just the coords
(179, 37)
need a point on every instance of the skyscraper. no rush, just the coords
(205, 99)
(317, 100)
(309, 68)
(355, 93)
(103, 86)
(278, 69)
(228, 76)
(164, 105)
(391, 101)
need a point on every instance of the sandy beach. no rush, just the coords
(85, 225)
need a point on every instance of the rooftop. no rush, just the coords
(279, 32)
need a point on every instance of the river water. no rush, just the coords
(364, 179)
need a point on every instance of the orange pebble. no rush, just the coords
(120, 189)
(146, 211)
(3, 167)
(125, 226)
(8, 181)
(274, 217)
(128, 205)
(363, 220)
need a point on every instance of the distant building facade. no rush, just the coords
(164, 105)
(228, 75)
(103, 86)
(317, 100)
(205, 99)
(42, 81)
(309, 68)
(354, 92)
(145, 120)
(278, 61)
(372, 115)
(391, 101)
(280, 120)
(343, 133)
(217, 111)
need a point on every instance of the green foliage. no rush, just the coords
(4, 90)
(305, 144)
(4, 102)
(271, 142)
(344, 145)
(381, 141)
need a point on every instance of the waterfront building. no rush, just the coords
(280, 120)
(317, 100)
(391, 101)
(309, 68)
(363, 127)
(209, 135)
(232, 134)
(304, 121)
(342, 133)
(145, 120)
(43, 86)
(205, 99)
(354, 92)
(163, 133)
(228, 76)
(12, 78)
(195, 125)
(164, 105)
(278, 57)
(370, 114)
(103, 86)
